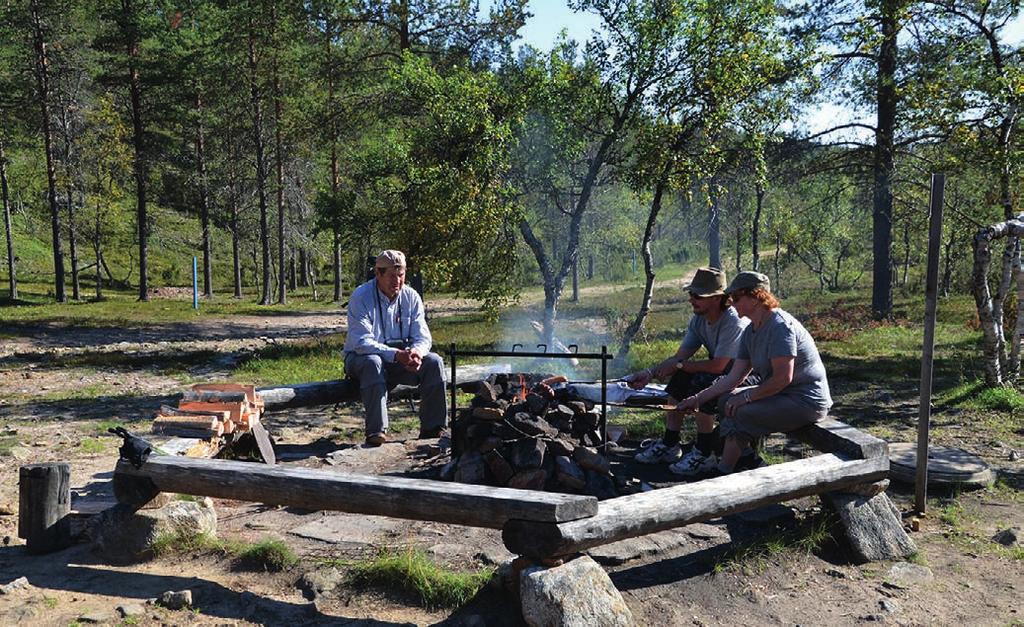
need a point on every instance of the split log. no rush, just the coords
(317, 489)
(235, 409)
(44, 502)
(167, 410)
(214, 396)
(647, 512)
(190, 421)
(210, 388)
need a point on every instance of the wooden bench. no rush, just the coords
(536, 524)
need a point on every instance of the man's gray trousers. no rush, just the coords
(376, 377)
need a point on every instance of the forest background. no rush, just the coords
(284, 142)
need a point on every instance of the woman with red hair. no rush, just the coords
(794, 388)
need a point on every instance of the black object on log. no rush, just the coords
(44, 502)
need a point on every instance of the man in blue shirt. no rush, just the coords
(388, 344)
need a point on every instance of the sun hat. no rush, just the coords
(707, 282)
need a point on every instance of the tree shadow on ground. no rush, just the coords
(138, 411)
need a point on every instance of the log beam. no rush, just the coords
(831, 436)
(317, 489)
(657, 510)
(309, 394)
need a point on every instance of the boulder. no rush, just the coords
(471, 469)
(176, 600)
(872, 526)
(527, 453)
(528, 480)
(121, 535)
(319, 582)
(1009, 537)
(500, 469)
(569, 473)
(576, 594)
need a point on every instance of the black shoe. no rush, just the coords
(430, 434)
(749, 462)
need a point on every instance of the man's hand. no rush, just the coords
(735, 402)
(689, 404)
(666, 369)
(410, 359)
(638, 380)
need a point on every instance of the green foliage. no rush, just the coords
(411, 571)
(271, 555)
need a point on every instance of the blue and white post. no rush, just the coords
(195, 283)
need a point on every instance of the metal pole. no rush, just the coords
(452, 383)
(928, 349)
(604, 397)
(195, 284)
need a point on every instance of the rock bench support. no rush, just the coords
(316, 489)
(657, 510)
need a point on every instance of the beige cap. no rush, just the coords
(390, 259)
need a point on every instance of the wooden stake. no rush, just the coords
(928, 350)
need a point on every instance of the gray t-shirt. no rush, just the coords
(782, 335)
(722, 339)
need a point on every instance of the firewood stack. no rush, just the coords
(210, 410)
(521, 432)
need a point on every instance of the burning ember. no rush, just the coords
(527, 431)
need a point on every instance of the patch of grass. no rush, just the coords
(753, 557)
(182, 542)
(7, 445)
(952, 514)
(130, 620)
(996, 399)
(294, 363)
(51, 602)
(641, 424)
(917, 557)
(92, 446)
(411, 571)
(270, 555)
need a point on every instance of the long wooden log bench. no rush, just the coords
(535, 524)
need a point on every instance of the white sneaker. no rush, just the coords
(694, 463)
(656, 452)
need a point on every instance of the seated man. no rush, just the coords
(793, 392)
(389, 343)
(716, 326)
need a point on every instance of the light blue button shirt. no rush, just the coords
(374, 320)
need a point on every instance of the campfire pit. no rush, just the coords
(528, 431)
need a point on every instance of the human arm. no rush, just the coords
(662, 370)
(419, 333)
(782, 375)
(728, 383)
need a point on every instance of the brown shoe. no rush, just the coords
(376, 439)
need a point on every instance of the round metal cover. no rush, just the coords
(946, 466)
